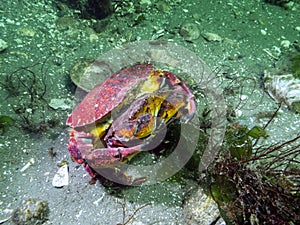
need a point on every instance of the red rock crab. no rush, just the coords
(122, 115)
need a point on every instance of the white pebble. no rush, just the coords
(285, 43)
(263, 32)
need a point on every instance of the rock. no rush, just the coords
(86, 73)
(211, 37)
(3, 45)
(200, 209)
(32, 212)
(190, 31)
(61, 178)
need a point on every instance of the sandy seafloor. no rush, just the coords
(34, 32)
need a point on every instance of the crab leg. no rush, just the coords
(104, 156)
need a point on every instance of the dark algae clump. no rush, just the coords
(260, 186)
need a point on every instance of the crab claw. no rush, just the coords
(107, 163)
(181, 86)
(78, 145)
(73, 149)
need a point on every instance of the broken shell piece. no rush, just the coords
(212, 37)
(283, 89)
(61, 178)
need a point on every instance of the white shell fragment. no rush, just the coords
(283, 89)
(27, 165)
(5, 219)
(61, 178)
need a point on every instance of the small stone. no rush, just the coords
(93, 38)
(212, 37)
(61, 178)
(163, 6)
(263, 32)
(3, 45)
(229, 41)
(145, 2)
(285, 43)
(190, 31)
(196, 16)
(58, 103)
(199, 208)
(27, 32)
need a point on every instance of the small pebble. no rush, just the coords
(285, 43)
(263, 32)
(26, 32)
(212, 37)
(93, 38)
(3, 45)
(63, 104)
